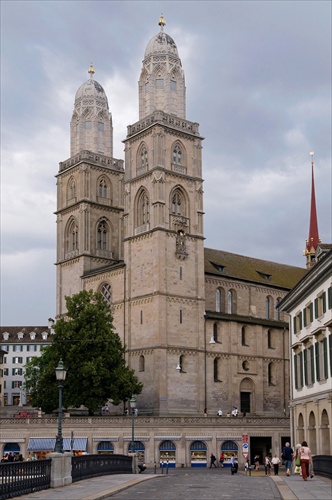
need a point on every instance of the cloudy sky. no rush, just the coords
(258, 78)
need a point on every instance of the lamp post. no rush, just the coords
(132, 403)
(60, 373)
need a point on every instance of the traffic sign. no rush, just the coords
(245, 454)
(244, 438)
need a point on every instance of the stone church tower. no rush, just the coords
(136, 234)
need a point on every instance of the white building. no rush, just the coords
(309, 305)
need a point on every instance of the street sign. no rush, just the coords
(244, 438)
(245, 447)
(245, 454)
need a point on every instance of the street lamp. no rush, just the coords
(60, 373)
(132, 403)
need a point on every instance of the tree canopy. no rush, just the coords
(91, 352)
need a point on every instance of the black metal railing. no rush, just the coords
(322, 465)
(21, 478)
(86, 466)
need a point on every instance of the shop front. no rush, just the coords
(167, 451)
(198, 454)
(229, 448)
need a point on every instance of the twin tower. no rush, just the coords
(133, 230)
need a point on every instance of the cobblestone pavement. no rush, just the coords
(202, 484)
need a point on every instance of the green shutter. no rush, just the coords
(312, 361)
(317, 361)
(329, 297)
(316, 308)
(304, 317)
(311, 312)
(301, 368)
(326, 374)
(295, 372)
(330, 348)
(324, 302)
(300, 318)
(294, 324)
(305, 359)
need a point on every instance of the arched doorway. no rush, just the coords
(105, 447)
(139, 449)
(13, 448)
(198, 454)
(325, 434)
(312, 442)
(300, 429)
(228, 448)
(167, 451)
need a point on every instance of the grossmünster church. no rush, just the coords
(201, 326)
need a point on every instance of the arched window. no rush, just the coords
(72, 238)
(268, 307)
(216, 370)
(102, 192)
(106, 292)
(243, 336)
(231, 302)
(177, 155)
(144, 157)
(220, 300)
(141, 364)
(176, 202)
(143, 208)
(181, 364)
(72, 189)
(269, 339)
(271, 374)
(102, 236)
(215, 332)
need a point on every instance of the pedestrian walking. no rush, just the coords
(287, 456)
(275, 462)
(305, 459)
(234, 465)
(256, 462)
(267, 466)
(212, 461)
(222, 459)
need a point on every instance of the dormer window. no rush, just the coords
(219, 267)
(5, 336)
(44, 335)
(32, 335)
(20, 335)
(265, 276)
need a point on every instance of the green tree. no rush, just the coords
(91, 352)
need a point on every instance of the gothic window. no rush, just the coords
(102, 191)
(102, 236)
(245, 366)
(215, 332)
(71, 188)
(106, 292)
(176, 203)
(144, 157)
(173, 85)
(72, 236)
(141, 364)
(271, 374)
(159, 83)
(177, 155)
(100, 127)
(143, 208)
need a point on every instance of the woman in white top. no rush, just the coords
(305, 458)
(275, 463)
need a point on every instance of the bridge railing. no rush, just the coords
(21, 478)
(86, 466)
(322, 465)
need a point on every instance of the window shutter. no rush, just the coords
(304, 318)
(329, 297)
(300, 318)
(305, 359)
(312, 361)
(301, 368)
(330, 349)
(311, 312)
(294, 324)
(316, 308)
(324, 302)
(295, 372)
(325, 358)
(317, 361)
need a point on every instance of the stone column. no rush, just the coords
(60, 469)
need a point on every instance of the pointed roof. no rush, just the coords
(313, 238)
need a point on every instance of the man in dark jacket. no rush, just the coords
(287, 456)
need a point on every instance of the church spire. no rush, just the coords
(313, 239)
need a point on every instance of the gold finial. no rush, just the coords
(161, 22)
(91, 70)
(312, 157)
